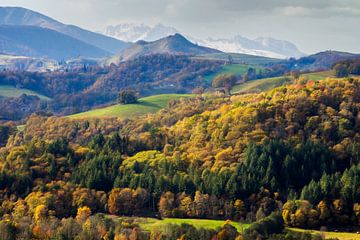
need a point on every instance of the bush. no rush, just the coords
(269, 225)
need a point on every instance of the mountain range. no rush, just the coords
(20, 20)
(267, 47)
(131, 32)
(42, 42)
(173, 44)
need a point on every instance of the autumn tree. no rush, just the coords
(226, 81)
(83, 213)
(166, 204)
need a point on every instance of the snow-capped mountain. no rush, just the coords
(267, 47)
(132, 32)
(173, 44)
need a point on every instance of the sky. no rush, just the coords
(313, 25)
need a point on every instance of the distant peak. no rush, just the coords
(177, 36)
(141, 42)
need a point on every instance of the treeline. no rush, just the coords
(345, 68)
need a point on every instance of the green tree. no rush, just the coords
(127, 97)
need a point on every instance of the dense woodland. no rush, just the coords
(290, 156)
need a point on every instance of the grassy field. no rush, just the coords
(239, 58)
(260, 85)
(145, 105)
(150, 223)
(316, 76)
(10, 91)
(236, 69)
(338, 235)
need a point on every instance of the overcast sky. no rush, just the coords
(313, 25)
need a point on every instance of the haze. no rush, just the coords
(312, 25)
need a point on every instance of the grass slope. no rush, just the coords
(265, 84)
(145, 105)
(239, 58)
(332, 235)
(150, 223)
(236, 69)
(10, 91)
(260, 85)
(316, 76)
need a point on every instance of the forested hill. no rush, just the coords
(294, 149)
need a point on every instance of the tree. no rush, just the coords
(295, 74)
(83, 213)
(127, 97)
(224, 81)
(166, 204)
(341, 70)
(40, 213)
(250, 74)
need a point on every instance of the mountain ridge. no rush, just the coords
(261, 46)
(35, 41)
(26, 17)
(174, 44)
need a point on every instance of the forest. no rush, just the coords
(288, 157)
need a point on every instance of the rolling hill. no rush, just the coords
(260, 85)
(265, 84)
(10, 91)
(321, 61)
(174, 44)
(41, 42)
(239, 58)
(24, 17)
(235, 69)
(145, 105)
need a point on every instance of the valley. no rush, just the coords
(142, 132)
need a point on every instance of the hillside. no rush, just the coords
(174, 44)
(22, 63)
(318, 62)
(240, 58)
(87, 85)
(207, 157)
(10, 91)
(24, 17)
(234, 69)
(265, 84)
(144, 106)
(41, 42)
(260, 85)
